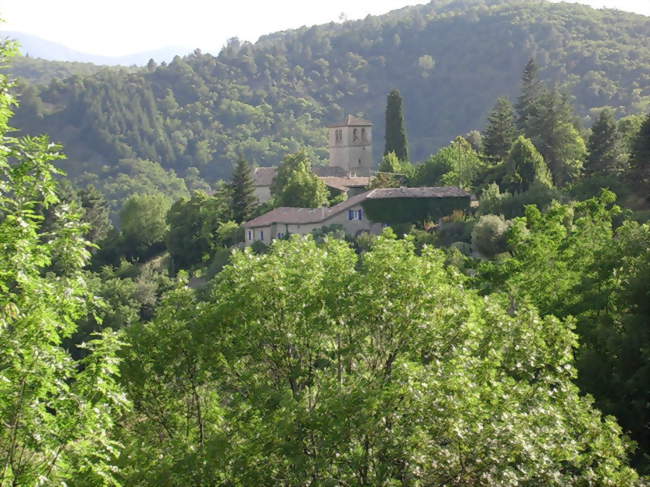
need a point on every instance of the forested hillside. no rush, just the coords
(450, 59)
(502, 343)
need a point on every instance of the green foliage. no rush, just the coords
(628, 128)
(194, 227)
(38, 71)
(570, 261)
(456, 165)
(525, 167)
(329, 231)
(529, 98)
(290, 164)
(605, 148)
(242, 191)
(311, 365)
(386, 180)
(96, 214)
(390, 163)
(412, 210)
(143, 222)
(640, 157)
(551, 127)
(296, 185)
(396, 142)
(304, 190)
(489, 235)
(500, 132)
(491, 199)
(135, 177)
(431, 171)
(173, 435)
(56, 414)
(267, 99)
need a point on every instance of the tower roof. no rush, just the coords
(352, 121)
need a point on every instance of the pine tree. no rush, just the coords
(606, 154)
(243, 196)
(525, 166)
(552, 128)
(395, 132)
(500, 132)
(528, 101)
(640, 157)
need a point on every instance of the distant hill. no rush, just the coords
(450, 59)
(36, 47)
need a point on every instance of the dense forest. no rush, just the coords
(450, 59)
(498, 343)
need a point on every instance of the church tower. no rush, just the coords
(350, 146)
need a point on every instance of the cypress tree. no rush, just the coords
(500, 132)
(395, 132)
(605, 149)
(640, 157)
(531, 89)
(243, 200)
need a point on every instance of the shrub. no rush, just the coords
(489, 235)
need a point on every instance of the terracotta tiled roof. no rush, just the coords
(329, 171)
(263, 176)
(286, 214)
(352, 121)
(317, 215)
(343, 184)
(425, 192)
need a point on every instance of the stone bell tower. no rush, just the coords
(350, 146)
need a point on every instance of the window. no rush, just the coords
(280, 234)
(363, 134)
(261, 234)
(338, 136)
(355, 135)
(355, 214)
(250, 235)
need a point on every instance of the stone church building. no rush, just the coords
(349, 171)
(350, 161)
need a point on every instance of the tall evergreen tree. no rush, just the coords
(640, 157)
(243, 196)
(552, 129)
(395, 132)
(525, 166)
(96, 213)
(500, 132)
(605, 148)
(528, 101)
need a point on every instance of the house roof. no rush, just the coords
(424, 192)
(352, 121)
(343, 184)
(263, 176)
(316, 215)
(286, 214)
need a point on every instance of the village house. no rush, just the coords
(350, 214)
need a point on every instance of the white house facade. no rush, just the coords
(283, 221)
(350, 214)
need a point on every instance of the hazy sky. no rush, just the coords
(119, 27)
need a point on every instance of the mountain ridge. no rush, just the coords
(451, 59)
(37, 47)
